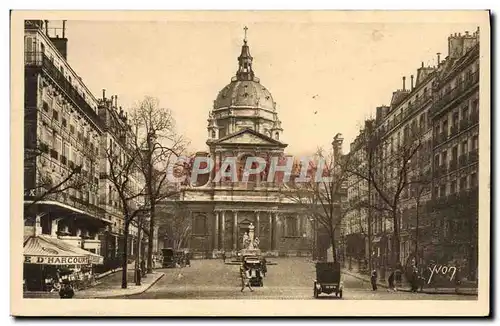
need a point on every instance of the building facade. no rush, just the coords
(244, 123)
(62, 133)
(434, 126)
(455, 116)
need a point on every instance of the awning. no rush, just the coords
(47, 250)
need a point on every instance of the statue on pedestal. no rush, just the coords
(246, 240)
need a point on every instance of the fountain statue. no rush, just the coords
(250, 243)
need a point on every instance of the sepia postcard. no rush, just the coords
(250, 163)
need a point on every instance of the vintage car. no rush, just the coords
(328, 279)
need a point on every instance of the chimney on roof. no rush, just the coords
(46, 27)
(438, 59)
(64, 29)
(422, 64)
(404, 83)
(411, 82)
(116, 100)
(103, 94)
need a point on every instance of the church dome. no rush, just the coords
(245, 93)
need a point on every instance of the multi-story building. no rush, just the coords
(117, 138)
(62, 132)
(433, 126)
(455, 116)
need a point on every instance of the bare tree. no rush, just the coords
(40, 184)
(176, 225)
(124, 174)
(323, 195)
(157, 144)
(388, 172)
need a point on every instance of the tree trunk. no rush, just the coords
(334, 249)
(125, 255)
(138, 272)
(395, 243)
(416, 233)
(151, 238)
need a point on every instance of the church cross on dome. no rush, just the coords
(245, 71)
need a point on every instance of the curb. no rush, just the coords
(129, 294)
(409, 291)
(138, 292)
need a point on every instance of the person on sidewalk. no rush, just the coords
(373, 279)
(245, 277)
(224, 257)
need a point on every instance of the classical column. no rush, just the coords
(270, 230)
(223, 230)
(257, 224)
(235, 231)
(216, 231)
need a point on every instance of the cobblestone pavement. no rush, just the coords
(290, 278)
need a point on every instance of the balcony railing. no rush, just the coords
(36, 59)
(455, 92)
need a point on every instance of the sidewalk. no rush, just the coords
(430, 290)
(111, 286)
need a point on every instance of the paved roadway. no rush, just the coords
(290, 278)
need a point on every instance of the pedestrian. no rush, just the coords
(224, 257)
(390, 281)
(188, 260)
(245, 277)
(373, 279)
(66, 291)
(415, 279)
(143, 268)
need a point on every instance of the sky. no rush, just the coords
(326, 77)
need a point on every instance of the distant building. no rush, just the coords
(243, 123)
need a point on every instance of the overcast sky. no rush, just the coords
(349, 68)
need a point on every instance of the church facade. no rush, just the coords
(244, 123)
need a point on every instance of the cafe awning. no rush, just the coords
(46, 250)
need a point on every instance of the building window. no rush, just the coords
(444, 157)
(454, 153)
(45, 106)
(442, 191)
(64, 122)
(72, 129)
(473, 180)
(453, 187)
(464, 147)
(475, 142)
(291, 224)
(463, 183)
(200, 224)
(465, 112)
(55, 115)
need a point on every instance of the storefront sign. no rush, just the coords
(46, 260)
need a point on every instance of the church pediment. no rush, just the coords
(249, 137)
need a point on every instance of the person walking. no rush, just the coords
(245, 277)
(224, 257)
(373, 280)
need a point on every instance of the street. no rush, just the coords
(290, 278)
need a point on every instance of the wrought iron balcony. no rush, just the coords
(40, 60)
(455, 93)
